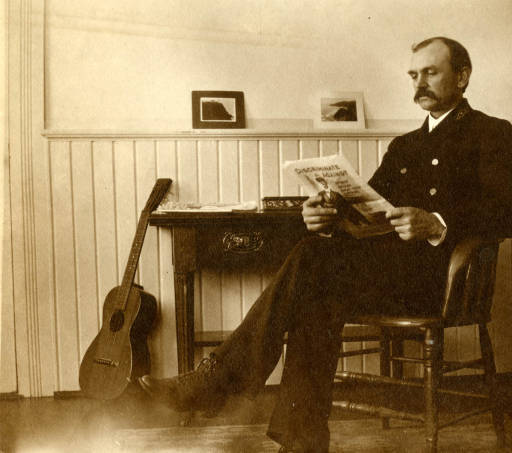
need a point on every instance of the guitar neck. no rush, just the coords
(159, 190)
(133, 259)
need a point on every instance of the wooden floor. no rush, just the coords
(83, 425)
(354, 436)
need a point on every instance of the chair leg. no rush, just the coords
(490, 379)
(397, 347)
(385, 365)
(433, 344)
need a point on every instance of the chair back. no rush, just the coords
(470, 284)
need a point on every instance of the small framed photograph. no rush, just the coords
(340, 110)
(218, 110)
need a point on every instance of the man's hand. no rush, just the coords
(414, 223)
(318, 216)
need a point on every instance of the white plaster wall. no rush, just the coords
(131, 64)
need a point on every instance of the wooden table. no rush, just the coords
(225, 240)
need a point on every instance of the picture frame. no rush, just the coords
(340, 110)
(218, 110)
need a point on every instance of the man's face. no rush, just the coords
(437, 88)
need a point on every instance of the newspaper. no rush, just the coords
(362, 210)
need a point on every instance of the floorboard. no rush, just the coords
(135, 423)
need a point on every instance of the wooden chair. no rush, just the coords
(468, 300)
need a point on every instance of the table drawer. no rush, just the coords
(246, 246)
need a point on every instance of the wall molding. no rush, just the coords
(54, 134)
(32, 372)
(28, 251)
(29, 236)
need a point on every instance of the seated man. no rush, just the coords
(450, 179)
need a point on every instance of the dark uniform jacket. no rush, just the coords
(463, 171)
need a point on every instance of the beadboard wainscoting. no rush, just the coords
(95, 188)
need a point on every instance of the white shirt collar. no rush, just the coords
(434, 122)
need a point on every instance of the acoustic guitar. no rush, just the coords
(119, 353)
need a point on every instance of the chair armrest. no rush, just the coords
(470, 281)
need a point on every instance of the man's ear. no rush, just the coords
(463, 77)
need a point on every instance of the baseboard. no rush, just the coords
(10, 396)
(68, 394)
(505, 378)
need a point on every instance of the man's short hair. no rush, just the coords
(459, 56)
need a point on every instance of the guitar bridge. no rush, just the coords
(106, 362)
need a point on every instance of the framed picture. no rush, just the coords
(218, 110)
(340, 110)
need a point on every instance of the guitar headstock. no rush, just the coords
(158, 193)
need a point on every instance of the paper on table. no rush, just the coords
(174, 206)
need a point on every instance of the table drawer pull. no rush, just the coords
(242, 242)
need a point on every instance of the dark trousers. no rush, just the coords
(321, 284)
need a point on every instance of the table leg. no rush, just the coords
(184, 299)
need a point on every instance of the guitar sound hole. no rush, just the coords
(117, 321)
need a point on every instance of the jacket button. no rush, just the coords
(432, 191)
(403, 171)
(435, 162)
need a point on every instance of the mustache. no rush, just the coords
(424, 92)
